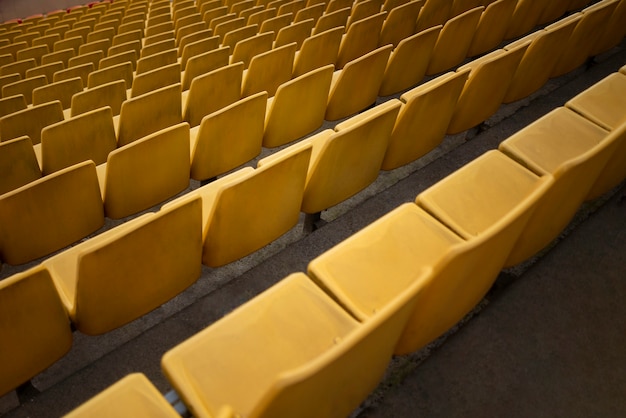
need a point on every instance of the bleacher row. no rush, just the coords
(227, 219)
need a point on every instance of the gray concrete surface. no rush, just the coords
(548, 341)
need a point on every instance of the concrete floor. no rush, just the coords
(547, 341)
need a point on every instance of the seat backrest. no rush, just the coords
(400, 23)
(332, 20)
(296, 32)
(246, 49)
(433, 13)
(193, 49)
(110, 94)
(30, 121)
(526, 16)
(60, 90)
(228, 137)
(204, 63)
(361, 37)
(11, 104)
(408, 62)
(300, 101)
(152, 80)
(81, 70)
(318, 50)
(38, 219)
(148, 113)
(269, 70)
(127, 56)
(34, 327)
(314, 12)
(89, 136)
(614, 32)
(254, 210)
(348, 160)
(24, 87)
(63, 56)
(275, 24)
(194, 37)
(121, 71)
(156, 61)
(423, 119)
(147, 171)
(18, 164)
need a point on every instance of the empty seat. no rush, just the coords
(360, 38)
(81, 71)
(156, 61)
(89, 136)
(155, 79)
(54, 212)
(11, 104)
(613, 33)
(18, 164)
(212, 91)
(146, 172)
(433, 13)
(228, 137)
(296, 32)
(30, 121)
(525, 17)
(195, 37)
(47, 70)
(485, 88)
(492, 196)
(400, 23)
(454, 41)
(347, 160)
(134, 394)
(193, 49)
(332, 20)
(572, 149)
(148, 113)
(34, 327)
(34, 52)
(124, 273)
(246, 49)
(298, 108)
(317, 51)
(19, 67)
(312, 351)
(128, 56)
(60, 90)
(204, 63)
(63, 56)
(121, 71)
(269, 70)
(275, 24)
(423, 119)
(87, 57)
(362, 10)
(356, 86)
(408, 62)
(491, 27)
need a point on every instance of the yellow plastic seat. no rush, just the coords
(194, 37)
(50, 213)
(423, 119)
(314, 12)
(433, 13)
(48, 40)
(298, 108)
(102, 34)
(123, 273)
(13, 48)
(24, 87)
(212, 91)
(148, 113)
(88, 57)
(126, 37)
(356, 86)
(60, 90)
(269, 70)
(228, 137)
(121, 71)
(231, 38)
(334, 5)
(156, 61)
(572, 149)
(454, 41)
(332, 20)
(133, 395)
(18, 164)
(68, 43)
(204, 63)
(188, 25)
(128, 56)
(246, 49)
(312, 351)
(146, 172)
(492, 27)
(34, 52)
(63, 56)
(554, 10)
(34, 327)
(348, 159)
(400, 23)
(250, 208)
(193, 49)
(317, 51)
(535, 68)
(136, 46)
(11, 104)
(296, 32)
(292, 7)
(30, 121)
(164, 76)
(275, 24)
(362, 10)
(408, 62)
(90, 136)
(101, 45)
(361, 38)
(81, 71)
(613, 33)
(525, 17)
(585, 35)
(250, 11)
(485, 88)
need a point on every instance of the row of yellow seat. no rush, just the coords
(322, 340)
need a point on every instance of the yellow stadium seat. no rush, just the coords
(121, 71)
(269, 70)
(11, 104)
(334, 5)
(554, 10)
(408, 62)
(356, 86)
(63, 56)
(361, 38)
(132, 395)
(123, 273)
(82, 71)
(525, 17)
(212, 91)
(292, 7)
(102, 34)
(296, 32)
(126, 37)
(485, 88)
(48, 40)
(312, 351)
(148, 113)
(492, 27)
(362, 10)
(101, 45)
(433, 13)
(572, 149)
(18, 67)
(228, 137)
(156, 61)
(128, 56)
(310, 12)
(34, 52)
(298, 108)
(204, 63)
(454, 41)
(13, 48)
(68, 43)
(89, 136)
(317, 51)
(34, 327)
(195, 37)
(60, 90)
(136, 46)
(246, 49)
(30, 121)
(55, 219)
(332, 20)
(275, 24)
(614, 31)
(258, 17)
(146, 172)
(47, 70)
(348, 159)
(231, 38)
(400, 23)
(423, 119)
(193, 49)
(18, 164)
(155, 79)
